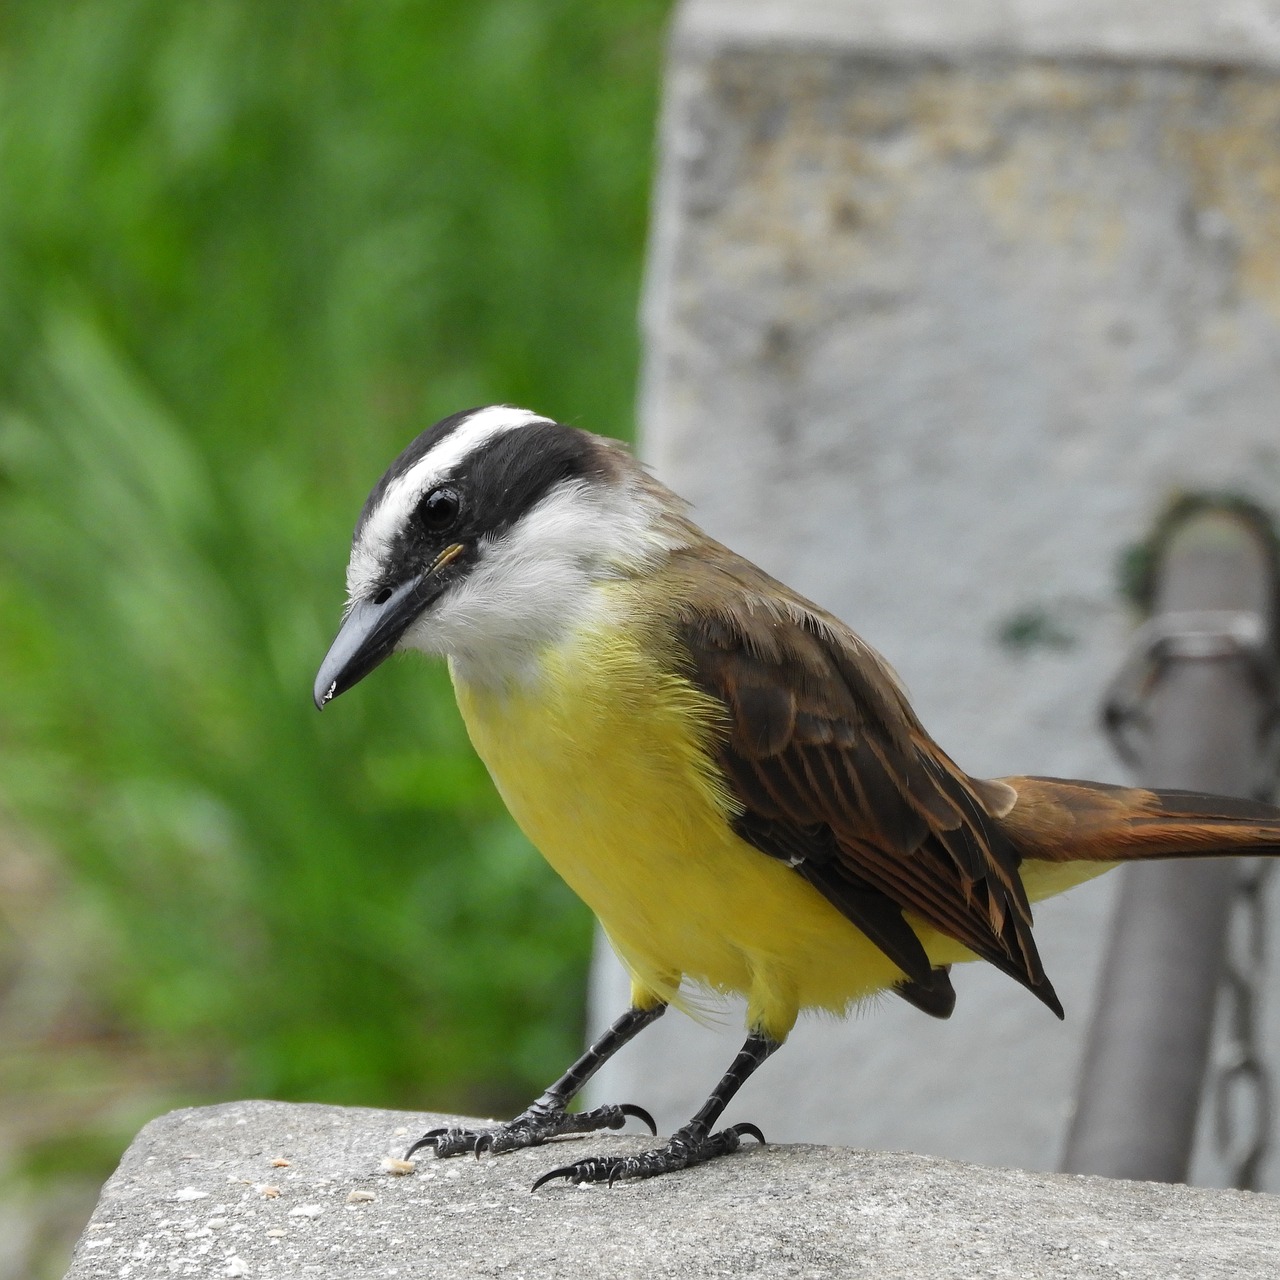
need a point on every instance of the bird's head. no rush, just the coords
(485, 541)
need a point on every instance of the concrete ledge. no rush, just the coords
(1238, 33)
(198, 1194)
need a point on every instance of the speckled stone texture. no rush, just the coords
(201, 1192)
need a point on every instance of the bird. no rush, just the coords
(727, 775)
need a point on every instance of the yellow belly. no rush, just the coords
(603, 763)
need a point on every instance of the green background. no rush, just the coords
(248, 250)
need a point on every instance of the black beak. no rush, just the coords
(370, 632)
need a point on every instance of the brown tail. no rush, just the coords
(1062, 820)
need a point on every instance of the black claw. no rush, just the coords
(427, 1140)
(566, 1171)
(689, 1147)
(630, 1109)
(532, 1128)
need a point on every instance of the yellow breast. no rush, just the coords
(602, 759)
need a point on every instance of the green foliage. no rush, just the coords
(247, 251)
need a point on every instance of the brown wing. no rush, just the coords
(836, 776)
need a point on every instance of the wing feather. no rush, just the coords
(835, 775)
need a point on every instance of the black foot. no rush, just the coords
(684, 1149)
(530, 1129)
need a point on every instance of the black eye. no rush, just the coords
(438, 511)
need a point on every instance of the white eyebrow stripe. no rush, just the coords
(404, 492)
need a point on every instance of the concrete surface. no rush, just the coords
(1239, 32)
(201, 1193)
(945, 300)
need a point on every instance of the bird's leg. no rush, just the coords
(549, 1116)
(693, 1144)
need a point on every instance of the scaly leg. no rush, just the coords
(549, 1116)
(693, 1144)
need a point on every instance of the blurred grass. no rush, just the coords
(246, 251)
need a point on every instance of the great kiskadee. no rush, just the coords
(724, 772)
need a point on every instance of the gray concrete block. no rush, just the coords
(190, 1199)
(1238, 32)
(945, 301)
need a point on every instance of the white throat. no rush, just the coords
(542, 583)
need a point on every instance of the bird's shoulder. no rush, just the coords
(756, 636)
